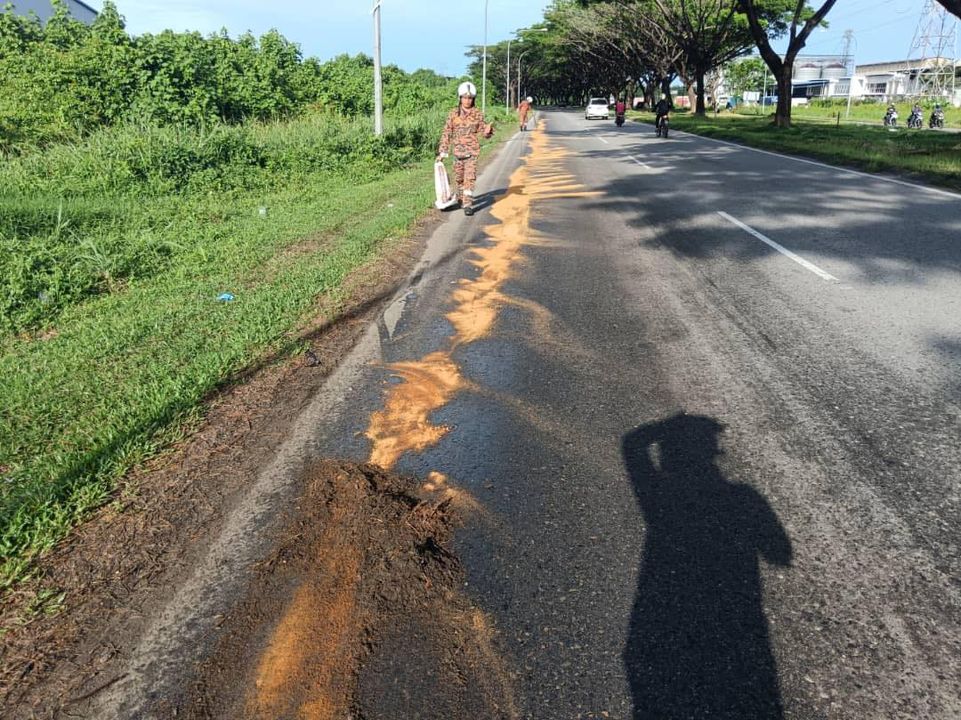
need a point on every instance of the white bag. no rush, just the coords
(445, 196)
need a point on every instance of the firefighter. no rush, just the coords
(461, 136)
(523, 110)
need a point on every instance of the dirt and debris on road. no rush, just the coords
(359, 613)
(67, 633)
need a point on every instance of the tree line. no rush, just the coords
(62, 79)
(641, 47)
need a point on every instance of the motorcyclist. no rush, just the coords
(620, 108)
(937, 116)
(661, 110)
(891, 116)
(916, 118)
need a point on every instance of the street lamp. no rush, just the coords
(519, 72)
(484, 81)
(508, 73)
(378, 84)
(543, 30)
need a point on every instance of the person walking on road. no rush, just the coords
(523, 110)
(465, 124)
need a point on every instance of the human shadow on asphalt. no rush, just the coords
(698, 644)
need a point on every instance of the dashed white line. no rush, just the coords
(603, 140)
(824, 275)
(640, 162)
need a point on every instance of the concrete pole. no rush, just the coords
(378, 84)
(484, 79)
(519, 73)
(507, 94)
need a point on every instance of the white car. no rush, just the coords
(597, 108)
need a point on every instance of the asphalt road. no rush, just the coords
(721, 483)
(708, 403)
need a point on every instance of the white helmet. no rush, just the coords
(466, 88)
(530, 99)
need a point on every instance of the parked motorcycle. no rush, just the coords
(916, 119)
(937, 118)
(661, 126)
(891, 117)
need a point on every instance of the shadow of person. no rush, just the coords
(698, 644)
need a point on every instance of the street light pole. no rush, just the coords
(520, 39)
(378, 84)
(519, 73)
(507, 102)
(484, 80)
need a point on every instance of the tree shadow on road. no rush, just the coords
(698, 645)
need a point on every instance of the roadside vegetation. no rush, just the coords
(171, 208)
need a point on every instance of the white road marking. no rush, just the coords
(640, 162)
(882, 178)
(780, 248)
(603, 140)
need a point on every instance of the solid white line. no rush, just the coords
(780, 248)
(858, 173)
(603, 140)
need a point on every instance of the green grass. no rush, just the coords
(929, 156)
(861, 112)
(113, 362)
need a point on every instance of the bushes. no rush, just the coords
(72, 220)
(62, 81)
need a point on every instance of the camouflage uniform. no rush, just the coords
(461, 135)
(522, 110)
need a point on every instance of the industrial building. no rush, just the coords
(830, 77)
(43, 9)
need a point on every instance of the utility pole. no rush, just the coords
(507, 94)
(849, 58)
(519, 73)
(484, 79)
(764, 92)
(378, 84)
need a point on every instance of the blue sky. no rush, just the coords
(435, 33)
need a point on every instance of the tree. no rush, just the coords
(708, 32)
(764, 19)
(745, 75)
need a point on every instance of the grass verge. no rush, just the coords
(110, 378)
(932, 157)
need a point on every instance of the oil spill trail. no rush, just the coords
(372, 620)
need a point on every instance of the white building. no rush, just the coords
(883, 82)
(43, 9)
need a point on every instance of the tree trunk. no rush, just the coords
(700, 107)
(782, 117)
(666, 89)
(691, 95)
(649, 95)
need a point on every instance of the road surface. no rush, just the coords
(705, 403)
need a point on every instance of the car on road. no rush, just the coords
(597, 108)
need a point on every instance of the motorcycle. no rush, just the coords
(937, 119)
(915, 120)
(661, 126)
(619, 120)
(891, 118)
